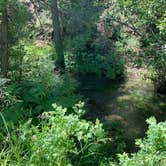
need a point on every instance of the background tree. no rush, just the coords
(57, 38)
(14, 29)
(143, 28)
(4, 39)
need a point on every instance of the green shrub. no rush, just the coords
(90, 56)
(152, 149)
(31, 62)
(6, 99)
(115, 130)
(35, 65)
(158, 78)
(60, 139)
(35, 85)
(160, 82)
(33, 97)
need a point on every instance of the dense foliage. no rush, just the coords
(48, 50)
(62, 139)
(152, 149)
(143, 34)
(59, 139)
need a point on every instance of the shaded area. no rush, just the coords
(125, 104)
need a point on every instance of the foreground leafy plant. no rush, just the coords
(6, 99)
(34, 98)
(152, 149)
(60, 139)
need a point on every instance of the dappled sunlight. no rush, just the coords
(81, 81)
(131, 102)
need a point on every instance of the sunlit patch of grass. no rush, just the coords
(136, 102)
(129, 102)
(39, 50)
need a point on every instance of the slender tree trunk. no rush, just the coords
(4, 43)
(57, 38)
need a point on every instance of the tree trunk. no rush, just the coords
(57, 38)
(4, 43)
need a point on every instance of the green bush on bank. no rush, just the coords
(91, 55)
(66, 139)
(59, 139)
(152, 148)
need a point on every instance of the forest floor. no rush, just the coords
(130, 102)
